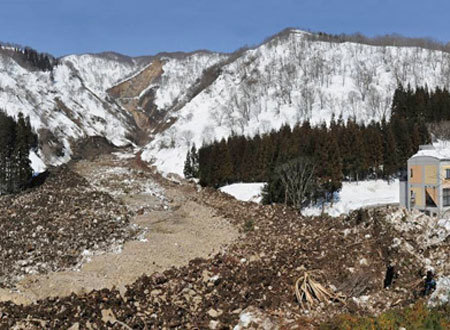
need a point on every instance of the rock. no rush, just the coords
(253, 318)
(364, 262)
(213, 324)
(108, 316)
(214, 313)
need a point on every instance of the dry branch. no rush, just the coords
(310, 292)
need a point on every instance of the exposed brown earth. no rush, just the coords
(134, 86)
(128, 94)
(174, 229)
(255, 275)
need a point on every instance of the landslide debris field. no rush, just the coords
(251, 279)
(54, 226)
(165, 228)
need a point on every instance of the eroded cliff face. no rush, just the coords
(155, 94)
(137, 95)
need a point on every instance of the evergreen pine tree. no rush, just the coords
(22, 164)
(187, 171)
(224, 165)
(194, 161)
(390, 152)
(15, 166)
(329, 171)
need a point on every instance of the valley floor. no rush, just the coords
(198, 258)
(171, 229)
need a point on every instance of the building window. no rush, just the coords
(411, 170)
(413, 198)
(447, 173)
(446, 197)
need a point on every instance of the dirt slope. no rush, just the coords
(175, 229)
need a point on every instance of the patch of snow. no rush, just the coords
(361, 301)
(37, 164)
(444, 224)
(214, 278)
(124, 155)
(355, 195)
(439, 150)
(244, 320)
(429, 231)
(247, 192)
(441, 295)
(352, 196)
(254, 318)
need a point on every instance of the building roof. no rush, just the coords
(439, 150)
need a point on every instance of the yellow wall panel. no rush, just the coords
(431, 174)
(445, 182)
(416, 171)
(418, 193)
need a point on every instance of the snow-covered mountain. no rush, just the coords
(170, 101)
(294, 77)
(66, 103)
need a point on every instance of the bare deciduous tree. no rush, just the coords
(208, 134)
(187, 136)
(297, 177)
(353, 102)
(363, 79)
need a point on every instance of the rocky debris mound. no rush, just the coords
(257, 273)
(135, 187)
(91, 147)
(56, 225)
(426, 237)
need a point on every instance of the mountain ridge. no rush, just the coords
(200, 96)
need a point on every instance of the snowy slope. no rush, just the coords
(72, 102)
(180, 74)
(100, 72)
(247, 192)
(353, 195)
(65, 103)
(290, 79)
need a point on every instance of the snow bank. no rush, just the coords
(355, 195)
(247, 192)
(37, 164)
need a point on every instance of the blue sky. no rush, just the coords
(137, 27)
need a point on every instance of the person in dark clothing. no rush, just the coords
(390, 275)
(430, 283)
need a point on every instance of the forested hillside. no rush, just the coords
(342, 150)
(176, 99)
(298, 76)
(29, 57)
(16, 141)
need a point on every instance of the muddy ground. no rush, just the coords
(246, 276)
